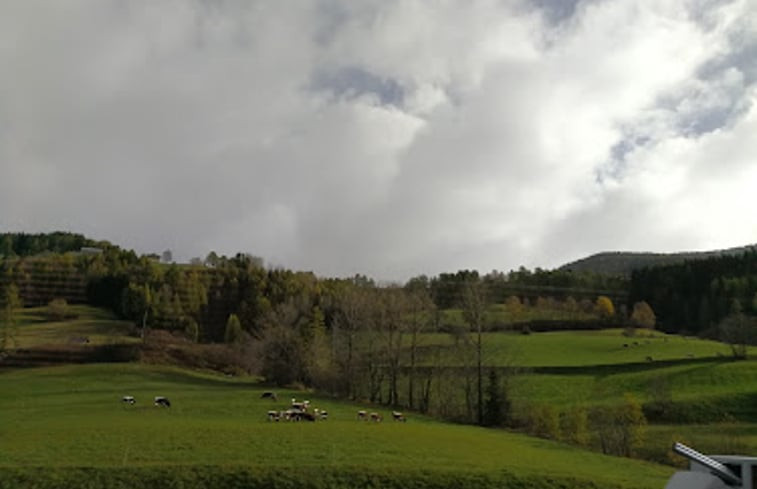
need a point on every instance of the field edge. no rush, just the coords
(253, 477)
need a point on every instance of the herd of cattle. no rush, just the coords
(302, 411)
(298, 410)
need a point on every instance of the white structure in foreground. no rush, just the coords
(714, 471)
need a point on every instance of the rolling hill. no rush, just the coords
(623, 263)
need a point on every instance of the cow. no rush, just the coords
(301, 406)
(162, 401)
(397, 416)
(128, 400)
(307, 416)
(362, 415)
(293, 414)
(269, 395)
(274, 415)
(376, 417)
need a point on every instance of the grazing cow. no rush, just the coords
(650, 359)
(162, 401)
(293, 414)
(307, 416)
(397, 416)
(301, 406)
(324, 415)
(376, 417)
(269, 395)
(128, 400)
(362, 415)
(274, 415)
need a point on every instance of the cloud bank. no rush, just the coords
(389, 138)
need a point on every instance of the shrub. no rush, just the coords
(574, 426)
(619, 429)
(58, 310)
(543, 421)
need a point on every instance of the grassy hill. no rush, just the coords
(623, 263)
(67, 418)
(583, 348)
(66, 423)
(98, 326)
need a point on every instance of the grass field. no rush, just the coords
(97, 325)
(712, 381)
(583, 348)
(72, 416)
(58, 423)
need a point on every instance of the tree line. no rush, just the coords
(29, 244)
(696, 296)
(448, 289)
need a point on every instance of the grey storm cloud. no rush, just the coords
(389, 138)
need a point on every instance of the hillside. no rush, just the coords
(623, 263)
(217, 426)
(69, 418)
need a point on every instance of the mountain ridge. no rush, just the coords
(625, 262)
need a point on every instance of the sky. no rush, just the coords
(390, 138)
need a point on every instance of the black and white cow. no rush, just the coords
(301, 406)
(274, 415)
(129, 400)
(162, 401)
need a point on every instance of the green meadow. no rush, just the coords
(65, 426)
(97, 325)
(583, 348)
(71, 417)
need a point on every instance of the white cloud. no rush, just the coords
(388, 137)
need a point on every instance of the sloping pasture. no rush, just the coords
(67, 418)
(580, 348)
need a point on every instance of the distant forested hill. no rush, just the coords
(624, 263)
(26, 244)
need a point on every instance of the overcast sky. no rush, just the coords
(385, 137)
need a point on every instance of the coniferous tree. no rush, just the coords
(497, 406)
(233, 333)
(9, 303)
(474, 309)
